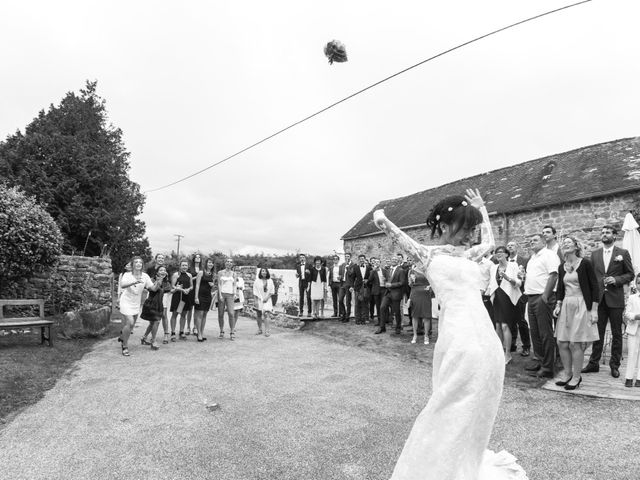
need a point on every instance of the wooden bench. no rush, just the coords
(24, 322)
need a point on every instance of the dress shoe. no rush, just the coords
(380, 330)
(344, 320)
(591, 368)
(568, 386)
(637, 384)
(628, 383)
(513, 348)
(534, 367)
(562, 383)
(615, 373)
(542, 374)
(525, 352)
(398, 331)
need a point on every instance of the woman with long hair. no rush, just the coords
(182, 285)
(133, 284)
(194, 269)
(450, 436)
(226, 294)
(157, 311)
(504, 291)
(420, 298)
(238, 301)
(204, 285)
(576, 310)
(263, 289)
(317, 285)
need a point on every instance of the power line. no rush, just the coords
(364, 90)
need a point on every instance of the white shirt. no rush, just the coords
(363, 270)
(336, 273)
(540, 266)
(606, 256)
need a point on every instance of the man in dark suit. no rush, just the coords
(613, 269)
(396, 280)
(522, 327)
(302, 274)
(334, 283)
(376, 286)
(361, 274)
(346, 287)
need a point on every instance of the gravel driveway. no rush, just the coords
(295, 405)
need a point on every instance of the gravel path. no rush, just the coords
(293, 406)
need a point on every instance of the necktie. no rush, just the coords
(607, 258)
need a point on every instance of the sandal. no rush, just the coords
(267, 334)
(165, 340)
(125, 351)
(144, 341)
(232, 336)
(154, 346)
(221, 334)
(173, 336)
(259, 332)
(183, 336)
(194, 331)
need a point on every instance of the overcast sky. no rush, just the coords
(193, 82)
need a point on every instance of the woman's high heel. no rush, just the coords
(414, 339)
(562, 383)
(573, 387)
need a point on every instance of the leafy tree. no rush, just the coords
(75, 164)
(29, 237)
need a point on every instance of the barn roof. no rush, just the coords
(589, 172)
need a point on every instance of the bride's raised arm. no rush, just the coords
(420, 252)
(486, 234)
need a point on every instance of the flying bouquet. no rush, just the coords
(335, 52)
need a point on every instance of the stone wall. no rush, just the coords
(248, 274)
(75, 281)
(582, 219)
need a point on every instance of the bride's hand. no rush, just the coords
(474, 198)
(379, 218)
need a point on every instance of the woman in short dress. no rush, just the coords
(157, 296)
(194, 270)
(504, 291)
(577, 312)
(420, 298)
(317, 285)
(263, 289)
(182, 285)
(238, 301)
(133, 284)
(204, 285)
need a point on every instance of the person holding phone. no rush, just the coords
(182, 284)
(204, 285)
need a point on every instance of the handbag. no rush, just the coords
(152, 308)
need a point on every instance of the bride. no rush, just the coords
(449, 438)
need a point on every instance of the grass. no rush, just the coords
(28, 369)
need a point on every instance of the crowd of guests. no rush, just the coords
(182, 300)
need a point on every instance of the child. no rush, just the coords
(632, 316)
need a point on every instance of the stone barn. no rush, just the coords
(576, 192)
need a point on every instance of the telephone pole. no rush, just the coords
(178, 253)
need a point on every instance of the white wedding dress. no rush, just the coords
(449, 438)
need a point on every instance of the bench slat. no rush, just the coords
(19, 324)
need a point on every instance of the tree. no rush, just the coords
(29, 237)
(75, 164)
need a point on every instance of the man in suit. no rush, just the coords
(551, 240)
(396, 280)
(361, 275)
(346, 287)
(334, 283)
(522, 327)
(376, 285)
(613, 269)
(302, 274)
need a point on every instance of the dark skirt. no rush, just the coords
(420, 302)
(503, 310)
(204, 297)
(175, 301)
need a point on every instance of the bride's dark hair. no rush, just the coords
(454, 211)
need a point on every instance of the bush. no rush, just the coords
(29, 237)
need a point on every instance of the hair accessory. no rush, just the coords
(450, 209)
(464, 203)
(437, 218)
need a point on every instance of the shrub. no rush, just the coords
(29, 238)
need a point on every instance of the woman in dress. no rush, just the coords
(504, 291)
(182, 285)
(194, 270)
(263, 289)
(157, 311)
(632, 316)
(449, 438)
(420, 299)
(204, 285)
(577, 312)
(133, 284)
(226, 294)
(238, 301)
(317, 285)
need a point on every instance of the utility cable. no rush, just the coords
(364, 90)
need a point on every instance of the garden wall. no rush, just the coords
(75, 281)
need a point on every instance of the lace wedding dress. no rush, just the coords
(449, 438)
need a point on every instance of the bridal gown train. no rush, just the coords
(449, 438)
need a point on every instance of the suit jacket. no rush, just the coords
(375, 286)
(586, 279)
(360, 282)
(621, 270)
(348, 281)
(303, 276)
(398, 282)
